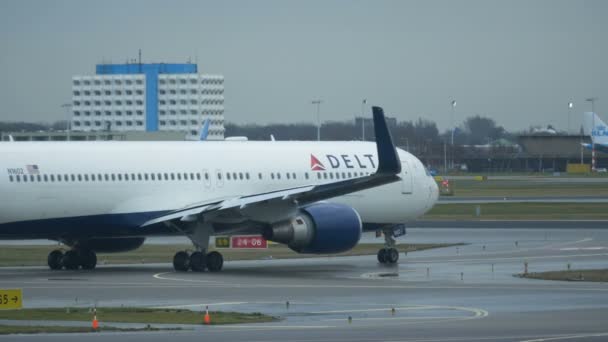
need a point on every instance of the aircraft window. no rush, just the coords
(24, 178)
(46, 178)
(198, 176)
(113, 177)
(219, 176)
(228, 175)
(318, 175)
(343, 174)
(234, 176)
(294, 175)
(278, 175)
(288, 175)
(52, 178)
(306, 175)
(240, 175)
(10, 178)
(172, 176)
(138, 176)
(93, 177)
(247, 175)
(186, 176)
(192, 176)
(105, 177)
(179, 176)
(72, 178)
(272, 175)
(331, 175)
(160, 176)
(145, 176)
(324, 175)
(79, 178)
(18, 178)
(206, 176)
(349, 175)
(86, 178)
(260, 175)
(38, 178)
(31, 178)
(119, 177)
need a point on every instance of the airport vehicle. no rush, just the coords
(316, 197)
(597, 129)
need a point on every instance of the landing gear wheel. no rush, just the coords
(181, 261)
(71, 260)
(54, 260)
(215, 261)
(198, 262)
(392, 255)
(382, 256)
(88, 260)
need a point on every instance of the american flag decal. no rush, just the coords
(32, 169)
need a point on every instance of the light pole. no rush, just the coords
(592, 100)
(570, 106)
(318, 103)
(453, 110)
(363, 119)
(68, 122)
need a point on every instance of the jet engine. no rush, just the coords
(319, 229)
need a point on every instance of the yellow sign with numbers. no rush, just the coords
(222, 242)
(11, 299)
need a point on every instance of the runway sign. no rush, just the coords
(222, 242)
(11, 299)
(249, 241)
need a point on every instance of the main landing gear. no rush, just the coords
(72, 259)
(198, 261)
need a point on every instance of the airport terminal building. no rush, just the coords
(148, 98)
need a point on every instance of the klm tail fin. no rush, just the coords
(204, 131)
(596, 128)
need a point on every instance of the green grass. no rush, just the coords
(527, 188)
(36, 255)
(134, 315)
(600, 275)
(519, 211)
(35, 329)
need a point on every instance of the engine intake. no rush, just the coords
(319, 229)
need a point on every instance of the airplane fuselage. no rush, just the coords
(54, 189)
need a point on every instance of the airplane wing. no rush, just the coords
(389, 166)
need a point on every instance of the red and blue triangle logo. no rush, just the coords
(315, 164)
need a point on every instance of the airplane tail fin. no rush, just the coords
(596, 128)
(204, 130)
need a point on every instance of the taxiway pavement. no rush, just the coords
(465, 293)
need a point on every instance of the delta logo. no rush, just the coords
(348, 161)
(315, 164)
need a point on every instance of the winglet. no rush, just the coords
(388, 159)
(204, 131)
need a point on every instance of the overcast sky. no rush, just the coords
(518, 62)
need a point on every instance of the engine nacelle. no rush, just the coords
(319, 229)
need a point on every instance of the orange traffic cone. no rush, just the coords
(95, 322)
(207, 318)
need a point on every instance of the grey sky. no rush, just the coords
(519, 62)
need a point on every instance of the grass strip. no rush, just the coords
(36, 255)
(135, 315)
(599, 275)
(527, 188)
(519, 211)
(35, 329)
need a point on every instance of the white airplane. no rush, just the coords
(316, 197)
(597, 129)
